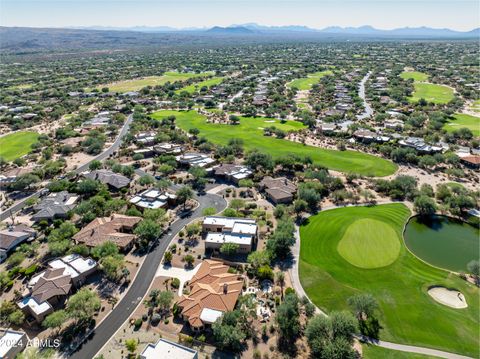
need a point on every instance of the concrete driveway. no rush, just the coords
(181, 273)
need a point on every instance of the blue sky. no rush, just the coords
(384, 14)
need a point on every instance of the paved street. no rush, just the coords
(114, 147)
(139, 287)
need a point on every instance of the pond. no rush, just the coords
(443, 241)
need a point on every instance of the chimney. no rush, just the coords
(225, 288)
(92, 232)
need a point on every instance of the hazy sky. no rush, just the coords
(384, 14)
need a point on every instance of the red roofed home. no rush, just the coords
(213, 291)
(472, 161)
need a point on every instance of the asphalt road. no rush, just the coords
(138, 288)
(114, 147)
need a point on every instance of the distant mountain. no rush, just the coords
(257, 27)
(251, 28)
(407, 32)
(233, 30)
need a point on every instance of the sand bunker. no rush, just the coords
(449, 297)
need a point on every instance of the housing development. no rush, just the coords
(239, 192)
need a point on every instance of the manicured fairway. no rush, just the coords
(462, 120)
(250, 130)
(375, 352)
(407, 314)
(17, 144)
(415, 75)
(137, 84)
(198, 85)
(437, 94)
(306, 83)
(368, 243)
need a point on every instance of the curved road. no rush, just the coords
(114, 147)
(297, 285)
(138, 288)
(361, 93)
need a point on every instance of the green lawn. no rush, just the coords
(368, 243)
(437, 94)
(408, 314)
(375, 352)
(17, 144)
(462, 120)
(198, 85)
(415, 75)
(306, 83)
(250, 130)
(137, 84)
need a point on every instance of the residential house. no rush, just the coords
(55, 205)
(10, 176)
(167, 349)
(419, 145)
(472, 161)
(12, 343)
(195, 159)
(145, 138)
(153, 198)
(12, 237)
(168, 148)
(117, 228)
(52, 286)
(278, 190)
(365, 136)
(102, 119)
(212, 292)
(146, 152)
(221, 230)
(393, 124)
(231, 172)
(327, 128)
(113, 180)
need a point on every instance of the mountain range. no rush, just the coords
(256, 29)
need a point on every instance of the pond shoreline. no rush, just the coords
(455, 220)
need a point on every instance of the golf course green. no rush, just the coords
(407, 314)
(17, 144)
(368, 243)
(443, 242)
(462, 120)
(250, 130)
(306, 83)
